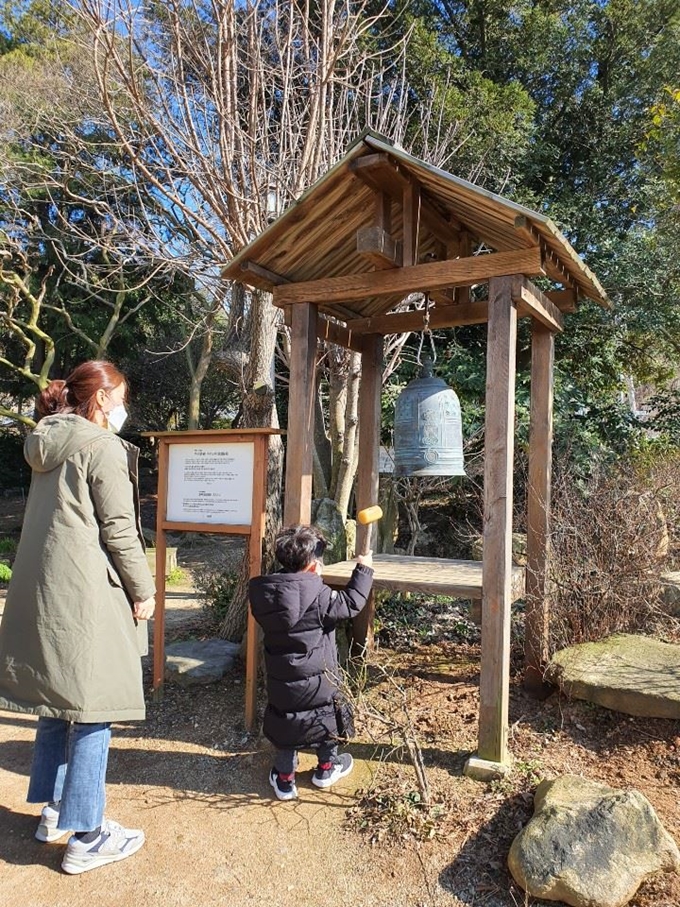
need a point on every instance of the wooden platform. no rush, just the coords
(457, 579)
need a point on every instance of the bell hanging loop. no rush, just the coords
(426, 330)
(428, 432)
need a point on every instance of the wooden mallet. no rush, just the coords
(367, 516)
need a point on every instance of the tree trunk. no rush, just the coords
(259, 411)
(348, 461)
(199, 370)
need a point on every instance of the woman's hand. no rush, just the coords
(144, 610)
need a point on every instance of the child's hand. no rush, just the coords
(366, 559)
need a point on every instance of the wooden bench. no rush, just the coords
(399, 573)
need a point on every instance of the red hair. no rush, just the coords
(77, 393)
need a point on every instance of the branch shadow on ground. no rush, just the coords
(240, 775)
(479, 874)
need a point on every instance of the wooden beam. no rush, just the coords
(271, 277)
(555, 269)
(335, 333)
(436, 275)
(531, 301)
(255, 542)
(383, 211)
(368, 474)
(400, 322)
(302, 388)
(527, 231)
(375, 244)
(462, 294)
(498, 490)
(565, 300)
(443, 297)
(368, 161)
(536, 624)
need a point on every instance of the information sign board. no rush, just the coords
(210, 483)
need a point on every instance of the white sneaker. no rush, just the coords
(113, 843)
(48, 829)
(326, 776)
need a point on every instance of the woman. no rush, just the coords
(69, 642)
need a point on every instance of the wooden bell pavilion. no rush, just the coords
(378, 226)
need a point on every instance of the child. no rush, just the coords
(298, 615)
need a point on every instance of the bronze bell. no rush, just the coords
(428, 434)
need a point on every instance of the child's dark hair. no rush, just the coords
(299, 546)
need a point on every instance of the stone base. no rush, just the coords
(485, 770)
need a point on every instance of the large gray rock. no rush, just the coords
(590, 845)
(327, 518)
(626, 673)
(670, 594)
(199, 661)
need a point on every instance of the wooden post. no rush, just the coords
(497, 565)
(300, 450)
(538, 509)
(368, 476)
(255, 541)
(159, 613)
(462, 294)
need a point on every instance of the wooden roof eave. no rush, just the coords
(568, 267)
(581, 274)
(233, 270)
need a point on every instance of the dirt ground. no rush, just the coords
(197, 784)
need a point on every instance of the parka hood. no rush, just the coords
(279, 600)
(56, 438)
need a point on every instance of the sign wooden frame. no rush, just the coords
(254, 529)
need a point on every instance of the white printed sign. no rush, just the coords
(211, 483)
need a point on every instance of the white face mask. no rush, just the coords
(116, 418)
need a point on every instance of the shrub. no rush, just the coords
(8, 545)
(610, 542)
(176, 577)
(216, 583)
(5, 573)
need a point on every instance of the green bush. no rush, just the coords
(216, 585)
(176, 577)
(8, 545)
(5, 573)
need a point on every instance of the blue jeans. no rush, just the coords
(69, 767)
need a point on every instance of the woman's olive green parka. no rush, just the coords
(69, 644)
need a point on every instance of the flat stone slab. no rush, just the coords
(632, 674)
(199, 661)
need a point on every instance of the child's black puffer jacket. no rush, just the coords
(298, 615)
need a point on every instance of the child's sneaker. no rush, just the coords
(327, 773)
(48, 829)
(112, 844)
(284, 786)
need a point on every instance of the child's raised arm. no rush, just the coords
(340, 604)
